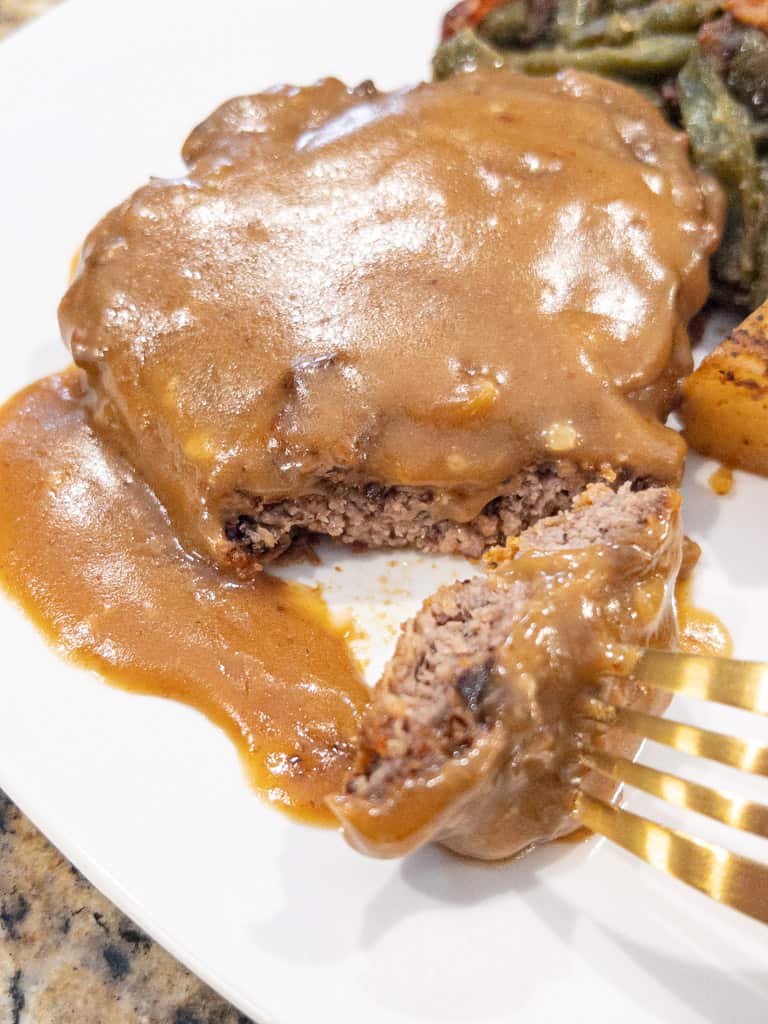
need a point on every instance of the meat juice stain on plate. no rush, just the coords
(112, 590)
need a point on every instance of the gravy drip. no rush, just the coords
(701, 631)
(721, 481)
(88, 552)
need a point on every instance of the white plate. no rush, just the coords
(146, 796)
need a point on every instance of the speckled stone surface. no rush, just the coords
(67, 955)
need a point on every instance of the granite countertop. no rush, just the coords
(67, 955)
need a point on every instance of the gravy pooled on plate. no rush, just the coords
(87, 550)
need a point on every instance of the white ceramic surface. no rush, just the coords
(146, 796)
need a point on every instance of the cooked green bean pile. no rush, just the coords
(706, 70)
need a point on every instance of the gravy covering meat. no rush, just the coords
(439, 288)
(419, 303)
(475, 731)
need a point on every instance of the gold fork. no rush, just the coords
(732, 879)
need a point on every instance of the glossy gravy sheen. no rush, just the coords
(88, 552)
(721, 481)
(438, 287)
(111, 588)
(510, 783)
(700, 631)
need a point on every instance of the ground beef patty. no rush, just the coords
(395, 517)
(425, 317)
(473, 734)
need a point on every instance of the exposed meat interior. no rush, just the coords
(473, 734)
(381, 517)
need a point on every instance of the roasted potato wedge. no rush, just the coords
(725, 402)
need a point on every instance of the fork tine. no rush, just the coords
(747, 755)
(742, 684)
(733, 811)
(737, 881)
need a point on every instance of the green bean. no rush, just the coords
(659, 17)
(572, 15)
(721, 142)
(624, 5)
(759, 288)
(758, 291)
(465, 51)
(748, 71)
(646, 57)
(722, 88)
(506, 25)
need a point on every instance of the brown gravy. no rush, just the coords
(88, 552)
(700, 631)
(721, 481)
(297, 331)
(110, 587)
(501, 778)
(437, 287)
